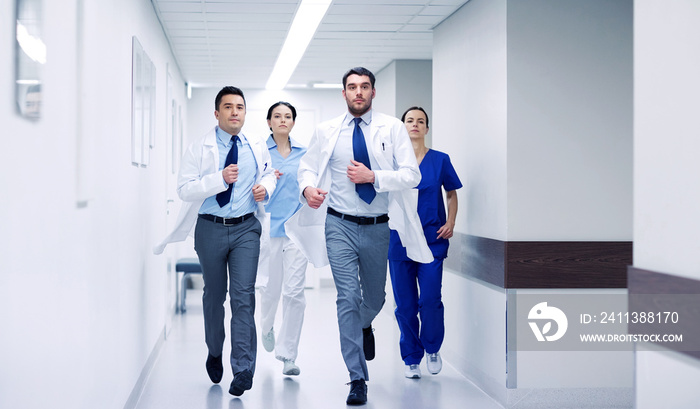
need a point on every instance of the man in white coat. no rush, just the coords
(224, 179)
(357, 175)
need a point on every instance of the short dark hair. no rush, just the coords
(287, 104)
(358, 71)
(403, 117)
(228, 90)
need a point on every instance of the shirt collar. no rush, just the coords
(272, 144)
(225, 137)
(366, 118)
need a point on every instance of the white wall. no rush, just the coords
(666, 379)
(533, 102)
(667, 188)
(475, 332)
(386, 84)
(414, 86)
(569, 120)
(515, 86)
(83, 300)
(469, 122)
(469, 101)
(406, 83)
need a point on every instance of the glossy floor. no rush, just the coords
(179, 379)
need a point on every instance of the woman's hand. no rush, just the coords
(447, 231)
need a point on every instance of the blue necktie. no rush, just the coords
(359, 151)
(224, 197)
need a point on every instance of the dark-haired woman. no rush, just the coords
(417, 286)
(282, 266)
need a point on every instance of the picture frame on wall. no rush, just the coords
(30, 57)
(143, 90)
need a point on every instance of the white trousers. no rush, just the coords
(282, 271)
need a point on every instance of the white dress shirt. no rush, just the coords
(342, 195)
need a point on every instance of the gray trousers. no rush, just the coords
(234, 248)
(358, 259)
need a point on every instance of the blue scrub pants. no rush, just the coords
(426, 335)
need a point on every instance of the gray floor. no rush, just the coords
(179, 379)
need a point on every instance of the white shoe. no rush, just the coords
(290, 368)
(268, 340)
(412, 371)
(434, 363)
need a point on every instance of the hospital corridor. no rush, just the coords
(527, 169)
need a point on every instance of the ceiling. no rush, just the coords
(236, 42)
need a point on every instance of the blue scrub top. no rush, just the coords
(284, 201)
(437, 172)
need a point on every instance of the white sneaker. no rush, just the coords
(290, 368)
(412, 371)
(434, 363)
(268, 340)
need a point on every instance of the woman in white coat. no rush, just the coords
(282, 268)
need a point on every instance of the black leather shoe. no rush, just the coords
(215, 368)
(242, 381)
(368, 342)
(358, 393)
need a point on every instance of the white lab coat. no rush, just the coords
(200, 178)
(397, 174)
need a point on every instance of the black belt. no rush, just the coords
(359, 219)
(225, 221)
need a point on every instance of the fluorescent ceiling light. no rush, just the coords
(306, 21)
(328, 86)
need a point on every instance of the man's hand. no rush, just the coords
(278, 174)
(230, 173)
(314, 196)
(359, 173)
(259, 193)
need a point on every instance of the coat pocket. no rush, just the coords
(385, 148)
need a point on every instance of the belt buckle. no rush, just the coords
(233, 221)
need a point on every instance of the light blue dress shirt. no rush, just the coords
(285, 199)
(242, 200)
(342, 195)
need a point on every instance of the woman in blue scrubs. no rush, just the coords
(417, 287)
(282, 267)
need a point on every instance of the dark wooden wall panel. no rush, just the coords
(541, 264)
(566, 264)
